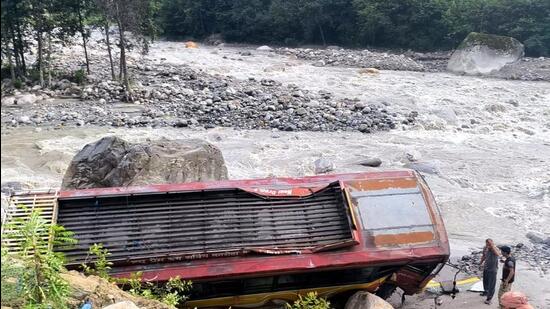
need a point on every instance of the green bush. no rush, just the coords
(309, 301)
(171, 293)
(18, 84)
(79, 76)
(101, 265)
(39, 283)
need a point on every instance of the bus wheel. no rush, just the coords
(386, 290)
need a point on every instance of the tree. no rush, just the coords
(82, 10)
(14, 23)
(135, 16)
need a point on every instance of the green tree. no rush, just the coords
(135, 16)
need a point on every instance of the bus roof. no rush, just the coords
(214, 229)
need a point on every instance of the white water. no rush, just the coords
(493, 181)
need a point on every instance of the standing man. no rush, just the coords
(490, 269)
(508, 272)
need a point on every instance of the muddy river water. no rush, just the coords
(485, 142)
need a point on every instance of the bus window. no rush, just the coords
(290, 282)
(394, 217)
(224, 288)
(258, 285)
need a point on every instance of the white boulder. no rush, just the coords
(481, 53)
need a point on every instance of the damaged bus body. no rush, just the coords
(247, 242)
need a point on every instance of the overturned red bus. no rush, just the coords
(247, 242)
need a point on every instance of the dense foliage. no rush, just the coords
(32, 276)
(30, 26)
(415, 24)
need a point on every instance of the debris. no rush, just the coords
(368, 71)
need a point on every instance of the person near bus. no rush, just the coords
(489, 260)
(508, 273)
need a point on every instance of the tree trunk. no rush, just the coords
(10, 61)
(84, 39)
(40, 59)
(123, 56)
(109, 51)
(16, 55)
(120, 67)
(21, 50)
(49, 64)
(322, 34)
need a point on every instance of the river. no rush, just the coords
(485, 141)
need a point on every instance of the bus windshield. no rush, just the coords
(394, 216)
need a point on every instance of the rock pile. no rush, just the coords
(355, 58)
(530, 69)
(169, 95)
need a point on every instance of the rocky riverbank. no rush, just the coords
(168, 95)
(530, 69)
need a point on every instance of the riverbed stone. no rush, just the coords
(323, 165)
(372, 162)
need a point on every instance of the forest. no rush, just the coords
(423, 25)
(404, 24)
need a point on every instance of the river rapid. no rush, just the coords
(484, 144)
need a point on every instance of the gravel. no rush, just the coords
(529, 69)
(178, 96)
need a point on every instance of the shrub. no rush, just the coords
(79, 76)
(172, 293)
(18, 84)
(309, 301)
(101, 265)
(40, 284)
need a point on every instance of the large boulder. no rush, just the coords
(481, 53)
(366, 300)
(113, 162)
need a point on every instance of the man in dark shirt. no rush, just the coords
(508, 272)
(489, 260)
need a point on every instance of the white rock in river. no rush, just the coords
(481, 53)
(264, 48)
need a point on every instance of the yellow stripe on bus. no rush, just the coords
(252, 300)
